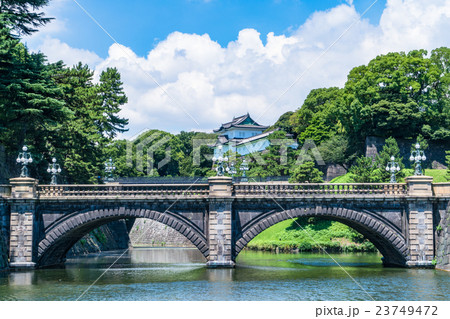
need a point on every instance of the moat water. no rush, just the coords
(180, 274)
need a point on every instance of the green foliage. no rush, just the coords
(99, 235)
(335, 150)
(363, 170)
(437, 174)
(21, 16)
(112, 97)
(178, 149)
(317, 118)
(82, 138)
(283, 123)
(30, 101)
(275, 160)
(57, 112)
(399, 95)
(306, 173)
(390, 148)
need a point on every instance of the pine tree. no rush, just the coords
(30, 101)
(306, 173)
(112, 99)
(363, 170)
(390, 148)
(21, 17)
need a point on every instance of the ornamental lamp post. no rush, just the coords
(222, 162)
(109, 169)
(232, 170)
(54, 169)
(393, 167)
(244, 168)
(24, 158)
(417, 157)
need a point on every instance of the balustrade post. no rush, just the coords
(22, 223)
(220, 223)
(420, 221)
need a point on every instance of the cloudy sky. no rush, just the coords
(193, 64)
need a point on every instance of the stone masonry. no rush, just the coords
(442, 233)
(219, 226)
(421, 242)
(21, 253)
(220, 218)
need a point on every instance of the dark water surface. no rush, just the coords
(180, 274)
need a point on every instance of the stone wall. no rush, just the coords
(112, 236)
(147, 232)
(332, 171)
(4, 226)
(442, 235)
(435, 152)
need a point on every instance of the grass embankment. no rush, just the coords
(310, 234)
(437, 174)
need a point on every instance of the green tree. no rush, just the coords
(112, 99)
(21, 16)
(283, 123)
(394, 95)
(316, 119)
(336, 150)
(363, 170)
(437, 126)
(275, 160)
(390, 148)
(306, 173)
(202, 164)
(31, 103)
(82, 139)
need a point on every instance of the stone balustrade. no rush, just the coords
(441, 189)
(203, 190)
(276, 189)
(294, 190)
(122, 190)
(5, 191)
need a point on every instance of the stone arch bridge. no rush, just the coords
(44, 221)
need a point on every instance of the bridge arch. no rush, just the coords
(386, 237)
(62, 235)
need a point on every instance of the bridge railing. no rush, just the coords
(5, 190)
(441, 189)
(128, 190)
(284, 189)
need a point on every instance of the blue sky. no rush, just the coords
(141, 24)
(193, 64)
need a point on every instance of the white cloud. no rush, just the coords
(56, 50)
(212, 84)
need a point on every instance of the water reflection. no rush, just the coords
(180, 274)
(166, 256)
(21, 278)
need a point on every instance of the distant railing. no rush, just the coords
(153, 190)
(285, 189)
(162, 180)
(441, 189)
